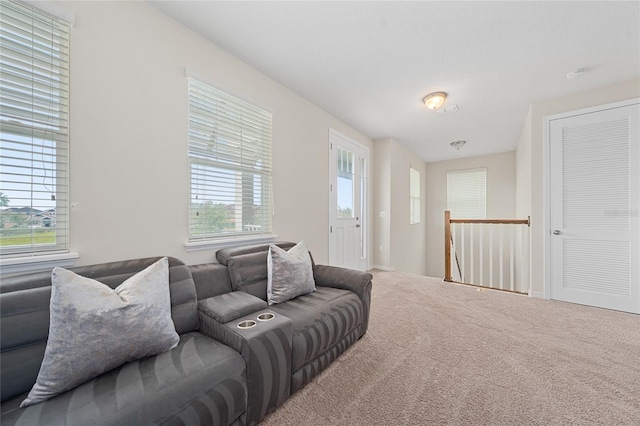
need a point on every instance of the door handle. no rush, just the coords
(556, 232)
(357, 225)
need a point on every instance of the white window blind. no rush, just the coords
(230, 161)
(467, 194)
(414, 196)
(34, 108)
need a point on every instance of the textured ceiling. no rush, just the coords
(370, 63)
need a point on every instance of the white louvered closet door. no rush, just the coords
(595, 207)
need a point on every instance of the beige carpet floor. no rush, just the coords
(441, 353)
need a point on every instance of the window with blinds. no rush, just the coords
(230, 161)
(414, 196)
(34, 109)
(467, 194)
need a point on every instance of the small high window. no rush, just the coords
(414, 196)
(467, 193)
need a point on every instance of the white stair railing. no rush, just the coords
(492, 253)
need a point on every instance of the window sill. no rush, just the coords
(36, 263)
(228, 242)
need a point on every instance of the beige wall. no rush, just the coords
(501, 181)
(523, 169)
(129, 171)
(398, 245)
(382, 205)
(531, 164)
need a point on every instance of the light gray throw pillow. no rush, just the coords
(94, 329)
(289, 273)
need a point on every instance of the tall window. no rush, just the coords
(230, 160)
(414, 196)
(34, 109)
(467, 194)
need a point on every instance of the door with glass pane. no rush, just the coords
(348, 162)
(594, 192)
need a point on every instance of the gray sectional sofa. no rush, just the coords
(238, 358)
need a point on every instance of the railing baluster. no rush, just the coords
(491, 256)
(471, 232)
(500, 234)
(527, 267)
(481, 227)
(454, 251)
(512, 278)
(522, 283)
(462, 265)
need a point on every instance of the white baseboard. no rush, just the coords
(384, 268)
(536, 294)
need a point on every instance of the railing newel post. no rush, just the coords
(447, 245)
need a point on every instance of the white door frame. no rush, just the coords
(364, 218)
(547, 177)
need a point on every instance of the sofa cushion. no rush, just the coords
(289, 273)
(211, 279)
(248, 267)
(224, 255)
(320, 320)
(201, 381)
(248, 273)
(24, 311)
(94, 329)
(229, 306)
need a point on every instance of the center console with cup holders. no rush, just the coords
(263, 338)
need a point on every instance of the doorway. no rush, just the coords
(593, 231)
(348, 189)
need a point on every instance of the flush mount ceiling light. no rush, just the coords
(433, 101)
(457, 144)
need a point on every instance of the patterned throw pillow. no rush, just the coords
(94, 329)
(289, 273)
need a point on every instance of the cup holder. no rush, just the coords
(266, 316)
(243, 325)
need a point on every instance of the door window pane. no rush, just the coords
(345, 184)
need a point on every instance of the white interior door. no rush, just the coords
(594, 194)
(348, 164)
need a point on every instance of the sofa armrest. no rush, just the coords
(230, 306)
(347, 279)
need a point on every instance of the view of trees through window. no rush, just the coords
(34, 93)
(230, 157)
(229, 205)
(25, 225)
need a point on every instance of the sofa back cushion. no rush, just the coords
(212, 279)
(24, 310)
(247, 267)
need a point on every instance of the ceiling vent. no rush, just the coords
(452, 108)
(576, 73)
